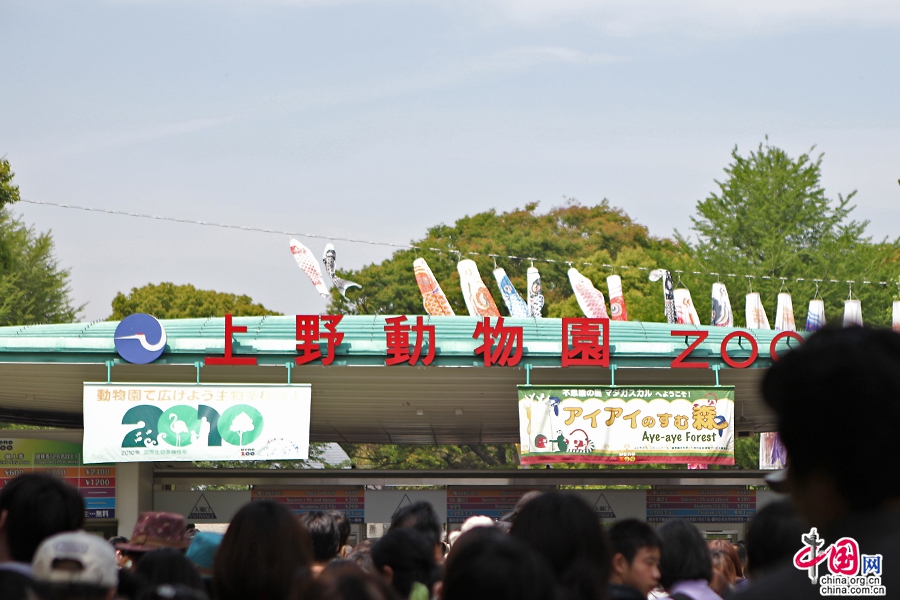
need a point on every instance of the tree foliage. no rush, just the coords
(770, 219)
(169, 301)
(445, 456)
(572, 233)
(33, 286)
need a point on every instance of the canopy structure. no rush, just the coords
(357, 398)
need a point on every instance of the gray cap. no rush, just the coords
(76, 557)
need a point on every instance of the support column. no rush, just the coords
(134, 493)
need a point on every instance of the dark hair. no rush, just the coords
(421, 517)
(566, 532)
(773, 536)
(324, 533)
(486, 564)
(69, 591)
(828, 368)
(343, 580)
(628, 536)
(409, 555)
(172, 592)
(683, 555)
(362, 556)
(260, 554)
(169, 566)
(38, 506)
(343, 524)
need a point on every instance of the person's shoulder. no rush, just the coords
(14, 585)
(623, 592)
(783, 582)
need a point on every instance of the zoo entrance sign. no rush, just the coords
(147, 422)
(585, 342)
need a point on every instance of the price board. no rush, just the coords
(96, 483)
(701, 505)
(349, 500)
(464, 502)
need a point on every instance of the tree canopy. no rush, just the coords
(770, 219)
(33, 286)
(599, 235)
(169, 301)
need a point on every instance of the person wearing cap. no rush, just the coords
(75, 565)
(154, 530)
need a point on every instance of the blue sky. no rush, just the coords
(375, 120)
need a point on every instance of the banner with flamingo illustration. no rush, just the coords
(626, 424)
(145, 422)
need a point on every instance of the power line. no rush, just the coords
(458, 253)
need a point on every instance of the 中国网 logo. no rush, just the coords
(140, 339)
(850, 573)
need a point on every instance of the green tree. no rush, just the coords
(33, 287)
(9, 192)
(572, 233)
(770, 219)
(169, 301)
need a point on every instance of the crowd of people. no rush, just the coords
(551, 547)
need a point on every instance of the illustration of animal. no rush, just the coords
(178, 427)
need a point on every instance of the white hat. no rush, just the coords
(76, 557)
(476, 521)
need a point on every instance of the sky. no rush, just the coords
(375, 120)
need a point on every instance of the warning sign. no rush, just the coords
(603, 509)
(404, 502)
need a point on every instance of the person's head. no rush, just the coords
(404, 556)
(486, 564)
(734, 571)
(636, 549)
(324, 533)
(75, 565)
(773, 537)
(343, 580)
(421, 517)
(172, 592)
(33, 507)
(262, 551)
(153, 530)
(722, 564)
(343, 525)
(808, 389)
(567, 533)
(684, 554)
(362, 556)
(168, 566)
(741, 549)
(202, 551)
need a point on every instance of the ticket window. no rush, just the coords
(731, 535)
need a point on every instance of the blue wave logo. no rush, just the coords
(140, 339)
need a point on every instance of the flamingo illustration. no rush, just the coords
(178, 427)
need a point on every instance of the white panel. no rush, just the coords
(202, 507)
(382, 504)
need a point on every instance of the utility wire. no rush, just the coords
(438, 250)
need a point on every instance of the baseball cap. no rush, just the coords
(76, 557)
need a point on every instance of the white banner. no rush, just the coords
(146, 422)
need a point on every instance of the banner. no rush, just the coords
(772, 453)
(626, 424)
(96, 484)
(147, 422)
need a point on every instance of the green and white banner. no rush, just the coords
(626, 424)
(145, 422)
